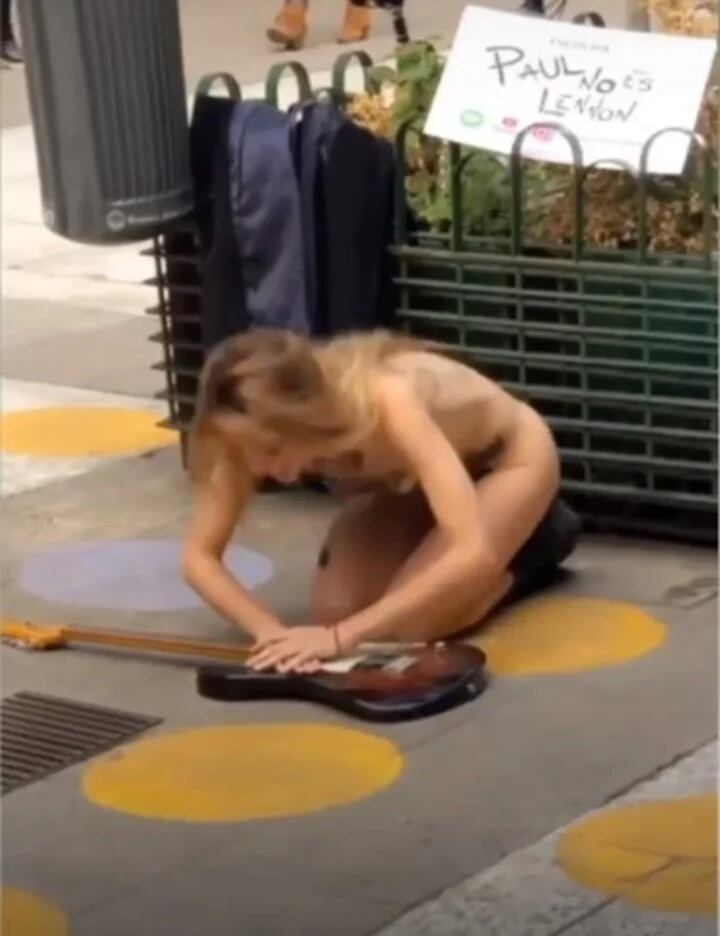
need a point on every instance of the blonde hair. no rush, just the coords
(291, 388)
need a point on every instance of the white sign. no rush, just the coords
(613, 89)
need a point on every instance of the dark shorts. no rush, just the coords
(553, 541)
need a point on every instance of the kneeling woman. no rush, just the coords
(458, 484)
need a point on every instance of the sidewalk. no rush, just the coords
(284, 818)
(528, 892)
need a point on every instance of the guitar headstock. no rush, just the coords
(31, 636)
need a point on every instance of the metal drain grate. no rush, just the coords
(42, 734)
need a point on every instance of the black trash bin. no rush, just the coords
(107, 95)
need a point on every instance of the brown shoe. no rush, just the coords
(290, 26)
(356, 25)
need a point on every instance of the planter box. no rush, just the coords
(622, 363)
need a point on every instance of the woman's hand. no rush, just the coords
(297, 649)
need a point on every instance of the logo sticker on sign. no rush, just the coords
(611, 88)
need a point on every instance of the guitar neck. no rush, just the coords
(187, 647)
(150, 644)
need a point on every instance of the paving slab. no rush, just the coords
(527, 893)
(616, 920)
(68, 345)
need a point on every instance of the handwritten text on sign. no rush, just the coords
(613, 89)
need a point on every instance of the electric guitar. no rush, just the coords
(379, 682)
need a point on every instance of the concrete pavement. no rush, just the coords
(477, 784)
(528, 892)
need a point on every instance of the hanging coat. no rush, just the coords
(248, 214)
(265, 207)
(346, 190)
(224, 310)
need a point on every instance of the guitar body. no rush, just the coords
(382, 686)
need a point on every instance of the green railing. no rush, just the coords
(617, 348)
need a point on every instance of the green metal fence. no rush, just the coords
(618, 349)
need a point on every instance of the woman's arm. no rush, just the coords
(482, 526)
(219, 503)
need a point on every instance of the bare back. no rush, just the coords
(483, 423)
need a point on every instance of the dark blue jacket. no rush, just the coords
(295, 217)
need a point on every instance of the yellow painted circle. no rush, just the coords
(26, 914)
(81, 432)
(549, 635)
(243, 772)
(659, 855)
